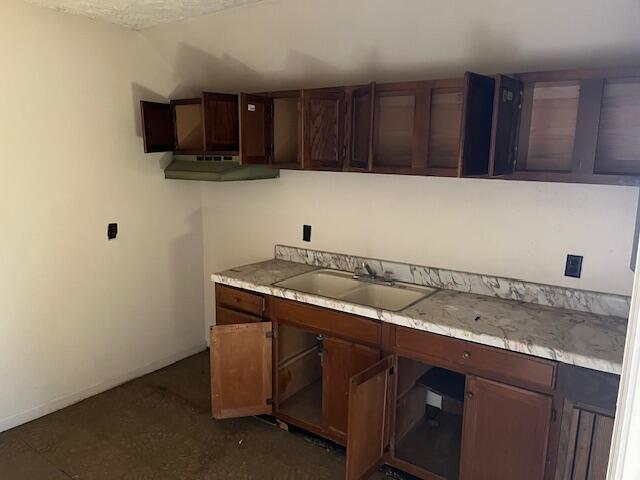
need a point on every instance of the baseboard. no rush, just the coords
(62, 402)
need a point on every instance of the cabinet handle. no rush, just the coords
(466, 355)
(469, 395)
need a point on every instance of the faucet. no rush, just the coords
(371, 275)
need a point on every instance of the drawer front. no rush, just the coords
(224, 316)
(326, 321)
(510, 367)
(239, 300)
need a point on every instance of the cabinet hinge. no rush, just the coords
(270, 334)
(391, 371)
(269, 401)
(554, 414)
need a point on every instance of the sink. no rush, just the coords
(387, 297)
(326, 283)
(342, 286)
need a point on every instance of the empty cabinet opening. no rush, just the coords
(429, 417)
(286, 131)
(618, 150)
(361, 128)
(189, 129)
(300, 374)
(444, 127)
(394, 116)
(552, 126)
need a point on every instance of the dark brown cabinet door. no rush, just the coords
(505, 432)
(255, 129)
(369, 413)
(324, 116)
(241, 369)
(507, 104)
(341, 360)
(361, 127)
(221, 125)
(477, 117)
(158, 128)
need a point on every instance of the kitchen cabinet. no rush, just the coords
(360, 128)
(588, 400)
(433, 406)
(192, 126)
(572, 126)
(271, 129)
(324, 129)
(505, 433)
(440, 127)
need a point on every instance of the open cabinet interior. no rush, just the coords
(618, 150)
(299, 374)
(550, 111)
(428, 425)
(188, 125)
(286, 131)
(445, 117)
(394, 119)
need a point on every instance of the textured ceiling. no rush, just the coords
(138, 14)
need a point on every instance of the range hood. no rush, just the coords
(214, 168)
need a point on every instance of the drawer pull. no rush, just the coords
(466, 355)
(469, 395)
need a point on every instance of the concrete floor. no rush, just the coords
(159, 427)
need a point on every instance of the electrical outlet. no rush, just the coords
(306, 233)
(573, 267)
(112, 231)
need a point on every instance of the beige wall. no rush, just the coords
(521, 230)
(80, 314)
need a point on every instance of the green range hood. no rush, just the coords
(216, 169)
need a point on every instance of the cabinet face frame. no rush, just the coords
(408, 89)
(292, 95)
(357, 161)
(320, 132)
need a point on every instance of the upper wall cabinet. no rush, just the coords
(271, 129)
(440, 127)
(192, 126)
(360, 127)
(324, 132)
(572, 126)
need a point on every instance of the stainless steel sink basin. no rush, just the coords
(341, 286)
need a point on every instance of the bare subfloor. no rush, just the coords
(159, 427)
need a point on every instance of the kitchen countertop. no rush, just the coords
(572, 337)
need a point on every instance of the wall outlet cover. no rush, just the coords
(573, 267)
(112, 231)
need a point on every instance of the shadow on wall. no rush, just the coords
(186, 261)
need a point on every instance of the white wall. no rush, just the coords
(514, 229)
(79, 313)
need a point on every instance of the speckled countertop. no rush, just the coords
(572, 337)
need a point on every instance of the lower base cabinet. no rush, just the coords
(434, 407)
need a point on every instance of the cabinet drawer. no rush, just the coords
(510, 367)
(239, 300)
(224, 316)
(327, 321)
